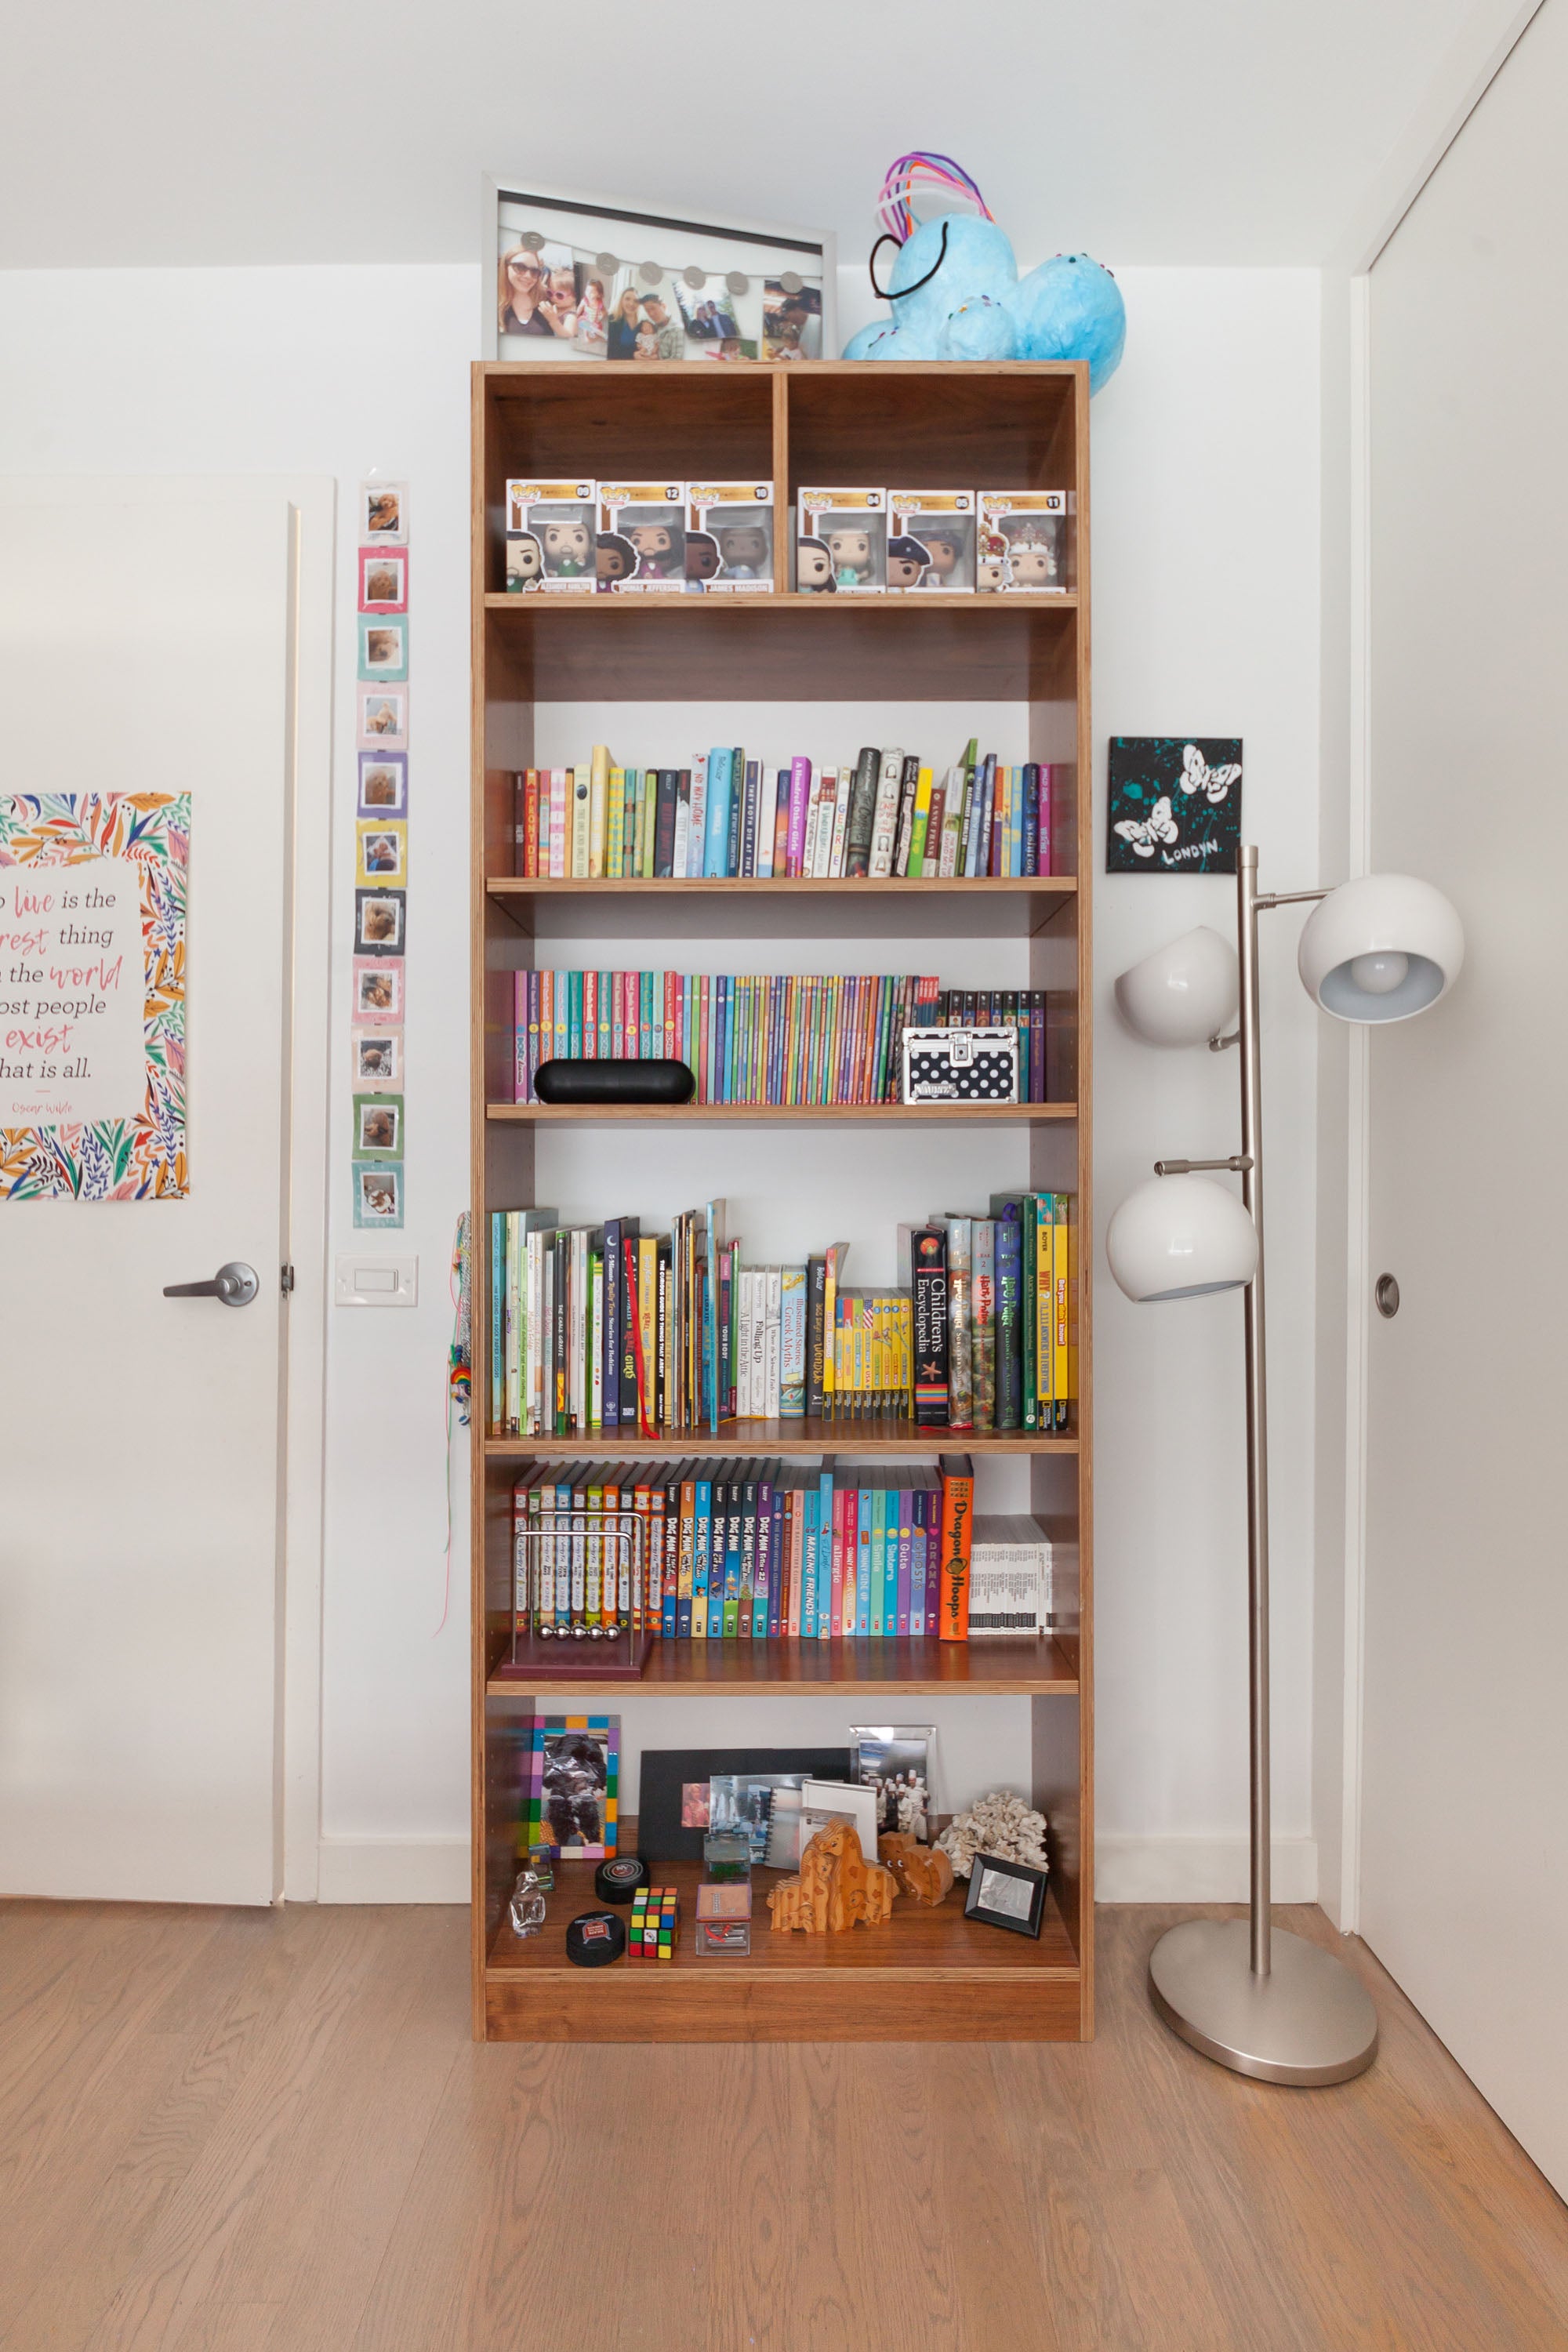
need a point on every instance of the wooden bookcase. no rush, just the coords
(925, 1975)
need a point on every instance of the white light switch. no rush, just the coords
(377, 1282)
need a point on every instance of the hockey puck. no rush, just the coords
(595, 1939)
(617, 1880)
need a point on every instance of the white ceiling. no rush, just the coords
(316, 131)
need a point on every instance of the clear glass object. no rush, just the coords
(527, 1904)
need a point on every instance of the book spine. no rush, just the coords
(862, 812)
(681, 848)
(1030, 814)
(747, 865)
(957, 1529)
(885, 817)
(929, 1285)
(598, 811)
(960, 1330)
(767, 811)
(581, 784)
(815, 1338)
(718, 825)
(982, 1297)
(780, 826)
(908, 794)
(1009, 1285)
(799, 803)
(775, 1561)
(737, 810)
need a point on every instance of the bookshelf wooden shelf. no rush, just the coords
(783, 1114)
(924, 1975)
(877, 1984)
(993, 611)
(745, 1438)
(895, 1669)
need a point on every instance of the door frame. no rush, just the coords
(1483, 47)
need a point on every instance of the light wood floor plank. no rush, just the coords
(268, 2132)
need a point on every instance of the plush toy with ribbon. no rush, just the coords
(955, 293)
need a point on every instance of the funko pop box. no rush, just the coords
(651, 519)
(1036, 527)
(550, 538)
(730, 538)
(852, 524)
(942, 523)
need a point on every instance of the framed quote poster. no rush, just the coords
(92, 995)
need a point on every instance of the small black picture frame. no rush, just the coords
(662, 1836)
(1008, 1895)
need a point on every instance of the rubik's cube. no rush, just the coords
(656, 1924)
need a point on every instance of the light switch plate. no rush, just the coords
(377, 1281)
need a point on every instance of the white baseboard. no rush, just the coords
(394, 1870)
(1197, 1870)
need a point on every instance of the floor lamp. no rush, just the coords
(1383, 948)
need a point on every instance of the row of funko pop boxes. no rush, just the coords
(717, 539)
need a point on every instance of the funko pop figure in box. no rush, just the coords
(617, 561)
(908, 563)
(813, 574)
(994, 571)
(744, 549)
(702, 559)
(654, 545)
(850, 548)
(946, 549)
(1033, 559)
(568, 550)
(525, 563)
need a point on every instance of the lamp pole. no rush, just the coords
(1277, 2008)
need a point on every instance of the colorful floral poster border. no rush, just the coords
(139, 1158)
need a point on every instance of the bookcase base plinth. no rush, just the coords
(707, 2000)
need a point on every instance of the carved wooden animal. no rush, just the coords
(924, 1872)
(837, 1887)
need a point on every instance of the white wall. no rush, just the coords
(1205, 555)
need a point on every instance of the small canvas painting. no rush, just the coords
(1174, 804)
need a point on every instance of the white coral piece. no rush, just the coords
(1000, 1824)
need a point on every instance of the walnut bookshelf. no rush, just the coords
(923, 1974)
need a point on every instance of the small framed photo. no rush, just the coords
(1006, 1895)
(383, 851)
(382, 649)
(378, 991)
(384, 514)
(378, 1055)
(384, 784)
(378, 1196)
(380, 927)
(384, 580)
(382, 718)
(378, 1127)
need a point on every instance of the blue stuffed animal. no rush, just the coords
(956, 294)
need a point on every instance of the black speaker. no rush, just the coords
(590, 1083)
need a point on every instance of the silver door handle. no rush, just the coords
(234, 1284)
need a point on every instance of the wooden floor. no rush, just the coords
(268, 2132)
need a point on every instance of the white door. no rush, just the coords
(1464, 1839)
(146, 645)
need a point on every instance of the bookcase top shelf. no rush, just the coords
(742, 1439)
(782, 1114)
(990, 611)
(1043, 1667)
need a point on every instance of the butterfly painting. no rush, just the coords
(1174, 804)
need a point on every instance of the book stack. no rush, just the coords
(596, 1328)
(995, 1315)
(730, 816)
(762, 1037)
(746, 1551)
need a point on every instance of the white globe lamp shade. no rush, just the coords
(1179, 1236)
(1185, 993)
(1380, 949)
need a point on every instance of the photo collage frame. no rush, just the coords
(378, 1154)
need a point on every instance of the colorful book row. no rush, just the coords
(762, 1037)
(730, 817)
(745, 1551)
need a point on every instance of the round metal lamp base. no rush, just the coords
(1309, 2020)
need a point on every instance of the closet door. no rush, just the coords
(1464, 1846)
